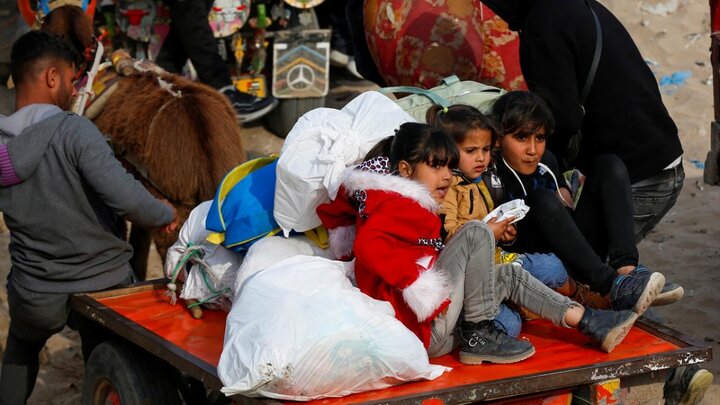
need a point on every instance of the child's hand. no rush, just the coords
(509, 235)
(566, 197)
(499, 228)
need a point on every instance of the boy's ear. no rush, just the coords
(405, 169)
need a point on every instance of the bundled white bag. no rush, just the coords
(299, 330)
(320, 146)
(272, 250)
(214, 288)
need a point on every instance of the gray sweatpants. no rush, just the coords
(479, 286)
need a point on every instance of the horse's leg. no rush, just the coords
(140, 241)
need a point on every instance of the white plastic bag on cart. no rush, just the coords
(320, 146)
(213, 268)
(299, 330)
(274, 249)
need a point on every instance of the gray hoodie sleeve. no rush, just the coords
(109, 179)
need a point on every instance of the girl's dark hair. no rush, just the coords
(459, 119)
(417, 143)
(522, 112)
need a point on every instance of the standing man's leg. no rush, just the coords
(34, 317)
(190, 31)
(653, 197)
(189, 26)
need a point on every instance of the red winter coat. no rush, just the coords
(389, 224)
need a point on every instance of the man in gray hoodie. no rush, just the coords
(64, 197)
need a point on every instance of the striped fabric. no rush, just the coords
(8, 176)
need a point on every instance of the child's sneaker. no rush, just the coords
(636, 291)
(482, 342)
(687, 385)
(671, 292)
(608, 328)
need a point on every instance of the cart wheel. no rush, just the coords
(118, 373)
(281, 120)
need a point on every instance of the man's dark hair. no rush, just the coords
(34, 47)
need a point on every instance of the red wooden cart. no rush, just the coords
(163, 353)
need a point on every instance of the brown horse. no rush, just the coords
(179, 139)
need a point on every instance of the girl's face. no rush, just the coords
(475, 153)
(522, 151)
(435, 178)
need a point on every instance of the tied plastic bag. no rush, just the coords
(299, 330)
(320, 146)
(274, 249)
(213, 268)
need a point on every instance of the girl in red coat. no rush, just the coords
(385, 216)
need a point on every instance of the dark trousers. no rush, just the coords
(191, 38)
(363, 59)
(654, 196)
(34, 318)
(595, 239)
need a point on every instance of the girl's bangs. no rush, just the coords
(440, 151)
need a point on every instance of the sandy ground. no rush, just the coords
(674, 36)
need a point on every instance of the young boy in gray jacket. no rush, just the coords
(64, 197)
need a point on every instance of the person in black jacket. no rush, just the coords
(623, 113)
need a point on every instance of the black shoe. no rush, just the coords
(608, 328)
(248, 107)
(482, 342)
(687, 385)
(636, 291)
(671, 292)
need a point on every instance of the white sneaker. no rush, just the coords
(352, 68)
(338, 58)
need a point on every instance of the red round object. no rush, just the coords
(418, 43)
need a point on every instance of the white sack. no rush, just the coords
(320, 146)
(222, 263)
(272, 250)
(299, 331)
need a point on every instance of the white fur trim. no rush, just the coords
(341, 241)
(427, 292)
(363, 180)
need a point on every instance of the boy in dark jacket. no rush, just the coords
(64, 197)
(623, 113)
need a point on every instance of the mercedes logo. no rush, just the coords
(300, 77)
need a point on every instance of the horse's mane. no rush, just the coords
(71, 24)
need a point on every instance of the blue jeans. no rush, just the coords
(548, 269)
(653, 197)
(509, 321)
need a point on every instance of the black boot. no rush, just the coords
(608, 328)
(482, 342)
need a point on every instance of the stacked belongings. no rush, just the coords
(298, 328)
(320, 146)
(211, 244)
